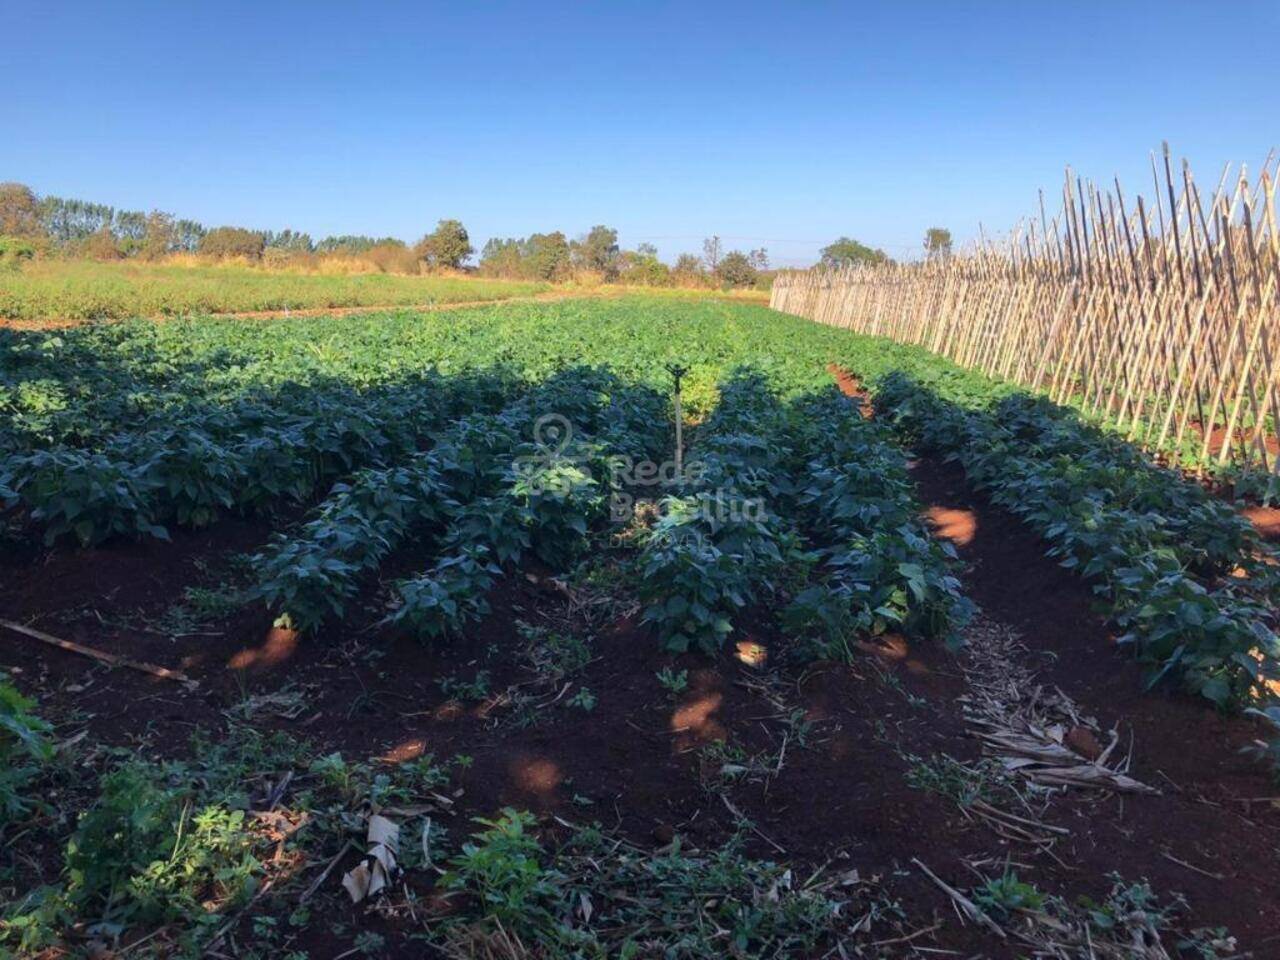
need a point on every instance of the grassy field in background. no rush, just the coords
(85, 290)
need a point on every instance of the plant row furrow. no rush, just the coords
(1189, 588)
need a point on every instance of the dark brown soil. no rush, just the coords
(1218, 810)
(638, 762)
(835, 795)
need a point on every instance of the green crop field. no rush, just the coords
(55, 290)
(452, 565)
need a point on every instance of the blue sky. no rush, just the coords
(781, 126)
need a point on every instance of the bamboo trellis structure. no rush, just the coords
(1161, 318)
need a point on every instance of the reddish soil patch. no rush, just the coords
(1266, 520)
(852, 387)
(1219, 436)
(1217, 810)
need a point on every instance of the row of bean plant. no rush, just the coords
(1183, 575)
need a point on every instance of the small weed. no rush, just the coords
(722, 762)
(476, 688)
(672, 682)
(984, 780)
(369, 943)
(554, 656)
(595, 894)
(1003, 895)
(799, 727)
(423, 773)
(583, 700)
(502, 868)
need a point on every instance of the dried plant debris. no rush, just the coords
(1129, 923)
(378, 869)
(1037, 734)
(985, 791)
(512, 895)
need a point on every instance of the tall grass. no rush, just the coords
(86, 290)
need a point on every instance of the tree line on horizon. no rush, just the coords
(73, 228)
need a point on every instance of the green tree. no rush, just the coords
(598, 251)
(130, 228)
(937, 243)
(68, 221)
(19, 211)
(711, 253)
(501, 258)
(735, 270)
(353, 245)
(290, 241)
(846, 252)
(447, 246)
(688, 271)
(160, 235)
(189, 235)
(642, 267)
(546, 256)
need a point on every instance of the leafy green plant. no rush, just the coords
(692, 589)
(452, 595)
(147, 851)
(477, 688)
(675, 683)
(502, 868)
(85, 494)
(1161, 553)
(24, 750)
(583, 700)
(1004, 895)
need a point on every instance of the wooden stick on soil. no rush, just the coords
(970, 909)
(109, 658)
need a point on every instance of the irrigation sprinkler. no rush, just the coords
(677, 373)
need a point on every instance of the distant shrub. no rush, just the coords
(278, 258)
(688, 271)
(391, 258)
(542, 256)
(644, 270)
(735, 270)
(101, 245)
(14, 251)
(846, 252)
(224, 242)
(447, 246)
(19, 211)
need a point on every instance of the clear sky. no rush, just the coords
(775, 125)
